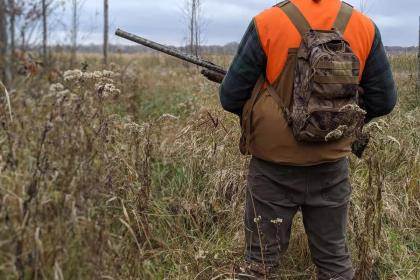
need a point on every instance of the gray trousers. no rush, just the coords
(274, 195)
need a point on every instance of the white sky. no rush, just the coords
(225, 20)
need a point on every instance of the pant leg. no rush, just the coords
(269, 212)
(325, 220)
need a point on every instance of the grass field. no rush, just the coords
(135, 173)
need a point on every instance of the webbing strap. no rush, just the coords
(297, 18)
(279, 102)
(282, 3)
(343, 17)
(337, 65)
(336, 79)
(275, 96)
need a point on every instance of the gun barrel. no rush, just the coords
(170, 51)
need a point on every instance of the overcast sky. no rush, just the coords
(224, 20)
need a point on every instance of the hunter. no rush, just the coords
(307, 76)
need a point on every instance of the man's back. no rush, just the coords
(266, 48)
(278, 34)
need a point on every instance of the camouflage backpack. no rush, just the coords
(324, 105)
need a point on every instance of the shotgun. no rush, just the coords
(210, 70)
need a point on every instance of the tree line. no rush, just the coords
(20, 23)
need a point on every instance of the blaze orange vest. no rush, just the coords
(270, 137)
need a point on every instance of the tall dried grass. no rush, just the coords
(135, 174)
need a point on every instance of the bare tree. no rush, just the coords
(196, 15)
(418, 62)
(366, 5)
(106, 31)
(193, 13)
(3, 42)
(27, 17)
(44, 33)
(192, 26)
(12, 20)
(76, 7)
(74, 30)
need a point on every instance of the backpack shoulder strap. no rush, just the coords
(282, 3)
(297, 18)
(343, 17)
